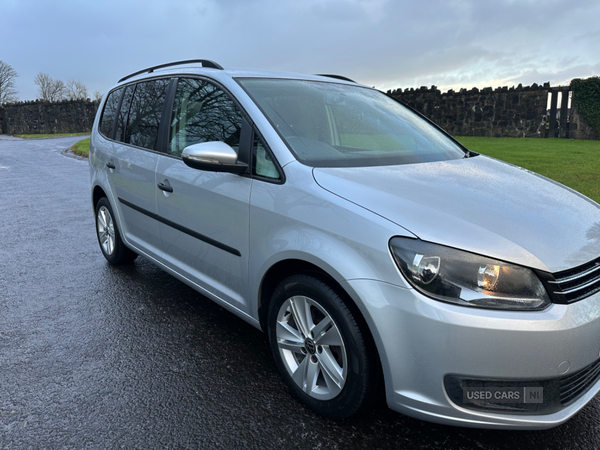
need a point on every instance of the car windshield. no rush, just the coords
(339, 125)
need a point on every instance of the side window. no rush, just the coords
(262, 161)
(109, 113)
(124, 113)
(203, 112)
(145, 113)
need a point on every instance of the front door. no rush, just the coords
(204, 215)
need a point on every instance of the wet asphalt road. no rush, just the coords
(93, 356)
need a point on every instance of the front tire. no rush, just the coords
(109, 236)
(319, 349)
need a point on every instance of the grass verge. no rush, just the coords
(574, 163)
(82, 148)
(45, 136)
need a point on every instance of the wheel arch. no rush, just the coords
(288, 267)
(97, 194)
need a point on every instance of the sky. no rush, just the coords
(387, 44)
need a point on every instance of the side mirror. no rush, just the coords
(213, 157)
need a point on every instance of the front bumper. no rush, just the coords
(423, 342)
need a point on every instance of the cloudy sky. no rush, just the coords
(382, 43)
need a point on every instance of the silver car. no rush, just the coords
(376, 252)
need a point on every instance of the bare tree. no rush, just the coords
(97, 96)
(75, 90)
(49, 89)
(8, 93)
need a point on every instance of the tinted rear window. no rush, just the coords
(124, 112)
(145, 114)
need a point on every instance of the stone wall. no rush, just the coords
(503, 112)
(579, 128)
(39, 117)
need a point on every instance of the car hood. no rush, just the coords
(478, 204)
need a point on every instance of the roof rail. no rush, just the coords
(205, 63)
(337, 77)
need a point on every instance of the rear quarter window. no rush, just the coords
(109, 113)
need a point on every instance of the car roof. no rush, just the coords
(222, 73)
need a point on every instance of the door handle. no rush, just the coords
(110, 165)
(164, 187)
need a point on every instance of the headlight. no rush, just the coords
(465, 278)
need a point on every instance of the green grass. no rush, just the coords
(44, 136)
(574, 163)
(82, 148)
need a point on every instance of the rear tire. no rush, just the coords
(319, 348)
(109, 236)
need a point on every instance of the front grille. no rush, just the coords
(573, 386)
(578, 283)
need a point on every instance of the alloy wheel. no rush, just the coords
(311, 347)
(106, 230)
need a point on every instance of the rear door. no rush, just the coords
(205, 215)
(134, 159)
